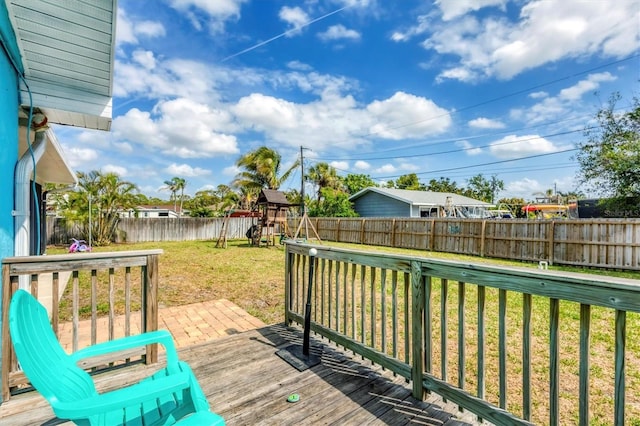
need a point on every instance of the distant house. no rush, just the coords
(389, 202)
(152, 212)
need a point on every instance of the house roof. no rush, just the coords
(422, 198)
(271, 196)
(67, 51)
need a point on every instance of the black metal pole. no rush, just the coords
(307, 308)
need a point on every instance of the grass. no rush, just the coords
(253, 278)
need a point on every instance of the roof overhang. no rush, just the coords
(52, 167)
(67, 52)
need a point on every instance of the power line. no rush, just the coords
(499, 98)
(484, 164)
(474, 147)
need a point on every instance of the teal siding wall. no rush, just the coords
(8, 132)
(8, 129)
(373, 204)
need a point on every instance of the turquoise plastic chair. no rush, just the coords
(170, 396)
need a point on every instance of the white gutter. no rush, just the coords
(22, 177)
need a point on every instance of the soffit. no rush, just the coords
(67, 50)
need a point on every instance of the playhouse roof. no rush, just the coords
(272, 196)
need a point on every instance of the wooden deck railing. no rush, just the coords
(91, 298)
(512, 345)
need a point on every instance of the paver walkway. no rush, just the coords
(189, 324)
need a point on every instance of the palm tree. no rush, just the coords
(109, 195)
(176, 185)
(323, 176)
(180, 185)
(261, 170)
(170, 185)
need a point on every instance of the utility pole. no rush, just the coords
(302, 206)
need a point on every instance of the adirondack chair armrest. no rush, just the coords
(162, 337)
(129, 396)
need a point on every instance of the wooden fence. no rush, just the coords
(138, 230)
(515, 346)
(601, 243)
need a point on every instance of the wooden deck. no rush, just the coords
(248, 384)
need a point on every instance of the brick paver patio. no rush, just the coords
(189, 324)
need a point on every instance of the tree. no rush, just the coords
(480, 188)
(610, 156)
(108, 195)
(443, 185)
(180, 185)
(175, 185)
(261, 170)
(170, 185)
(322, 175)
(410, 182)
(357, 182)
(335, 203)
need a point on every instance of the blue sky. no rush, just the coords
(447, 88)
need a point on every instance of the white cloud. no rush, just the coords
(127, 32)
(179, 127)
(565, 104)
(469, 149)
(111, 168)
(513, 146)
(386, 168)
(454, 8)
(184, 170)
(295, 17)
(486, 123)
(78, 158)
(144, 58)
(231, 170)
(592, 82)
(362, 165)
(213, 14)
(524, 188)
(407, 116)
(299, 66)
(408, 167)
(545, 32)
(340, 165)
(338, 32)
(538, 95)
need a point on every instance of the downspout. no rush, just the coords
(22, 177)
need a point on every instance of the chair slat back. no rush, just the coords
(47, 366)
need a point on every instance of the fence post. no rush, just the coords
(150, 306)
(417, 324)
(551, 230)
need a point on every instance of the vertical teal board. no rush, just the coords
(8, 129)
(8, 133)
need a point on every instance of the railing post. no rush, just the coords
(288, 261)
(151, 305)
(5, 358)
(417, 324)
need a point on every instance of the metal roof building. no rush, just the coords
(390, 202)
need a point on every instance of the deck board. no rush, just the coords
(248, 384)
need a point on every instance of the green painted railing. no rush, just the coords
(512, 345)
